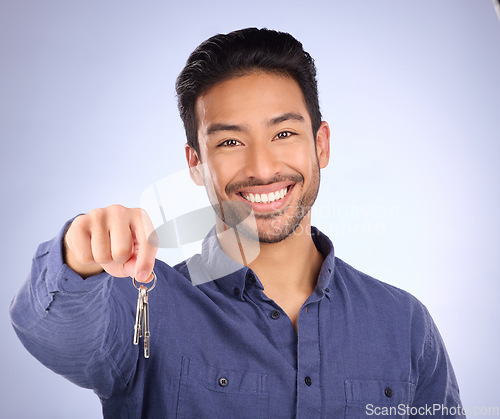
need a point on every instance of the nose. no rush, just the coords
(261, 162)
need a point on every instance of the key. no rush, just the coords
(138, 317)
(141, 326)
(145, 323)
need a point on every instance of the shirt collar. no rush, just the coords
(229, 274)
(325, 247)
(232, 276)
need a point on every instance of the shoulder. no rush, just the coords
(352, 278)
(383, 311)
(374, 305)
(377, 296)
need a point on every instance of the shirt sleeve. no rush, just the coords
(78, 328)
(437, 386)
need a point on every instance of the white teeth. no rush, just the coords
(265, 198)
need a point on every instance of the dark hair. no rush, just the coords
(223, 57)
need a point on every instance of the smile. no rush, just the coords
(266, 197)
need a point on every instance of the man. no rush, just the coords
(291, 330)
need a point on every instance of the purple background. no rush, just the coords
(88, 118)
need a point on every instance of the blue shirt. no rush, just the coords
(223, 349)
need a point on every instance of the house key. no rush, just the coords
(141, 327)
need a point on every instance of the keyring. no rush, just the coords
(141, 327)
(143, 286)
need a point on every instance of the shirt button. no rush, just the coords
(308, 380)
(275, 314)
(223, 382)
(251, 277)
(388, 392)
(327, 289)
(236, 291)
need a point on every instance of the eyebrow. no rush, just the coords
(225, 127)
(289, 116)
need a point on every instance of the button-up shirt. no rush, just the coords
(222, 348)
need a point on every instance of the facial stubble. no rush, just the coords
(271, 227)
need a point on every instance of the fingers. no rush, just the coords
(77, 240)
(121, 242)
(112, 239)
(78, 249)
(100, 242)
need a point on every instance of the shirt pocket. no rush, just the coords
(207, 392)
(378, 399)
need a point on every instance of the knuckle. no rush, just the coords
(97, 214)
(139, 213)
(118, 210)
(79, 224)
(76, 236)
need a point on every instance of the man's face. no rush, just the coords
(258, 150)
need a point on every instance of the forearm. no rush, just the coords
(72, 325)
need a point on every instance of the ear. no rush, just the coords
(194, 164)
(323, 144)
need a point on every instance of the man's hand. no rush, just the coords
(112, 239)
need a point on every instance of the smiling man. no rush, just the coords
(256, 137)
(292, 331)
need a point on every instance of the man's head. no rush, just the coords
(247, 102)
(231, 55)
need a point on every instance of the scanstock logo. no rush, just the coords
(182, 215)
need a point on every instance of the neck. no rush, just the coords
(290, 266)
(288, 270)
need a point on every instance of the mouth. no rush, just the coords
(268, 197)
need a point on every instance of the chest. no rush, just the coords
(210, 359)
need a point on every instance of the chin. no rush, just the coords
(269, 232)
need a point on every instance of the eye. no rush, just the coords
(229, 143)
(284, 134)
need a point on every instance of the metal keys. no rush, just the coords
(141, 327)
